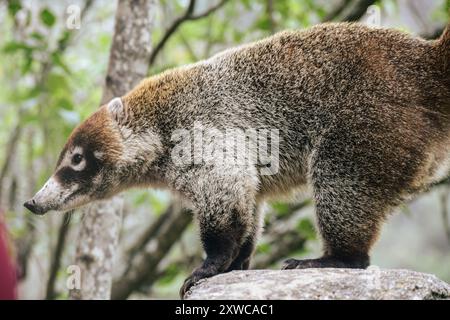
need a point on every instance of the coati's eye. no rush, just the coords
(76, 159)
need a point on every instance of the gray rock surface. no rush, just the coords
(373, 283)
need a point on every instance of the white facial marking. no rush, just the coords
(52, 194)
(80, 166)
(67, 160)
(99, 155)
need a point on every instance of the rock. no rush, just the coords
(373, 283)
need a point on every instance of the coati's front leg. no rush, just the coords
(243, 259)
(222, 241)
(225, 212)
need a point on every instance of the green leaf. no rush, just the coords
(47, 17)
(65, 103)
(56, 82)
(169, 274)
(14, 46)
(57, 60)
(62, 42)
(263, 248)
(157, 205)
(263, 24)
(38, 36)
(28, 63)
(30, 117)
(247, 4)
(14, 6)
(281, 208)
(32, 93)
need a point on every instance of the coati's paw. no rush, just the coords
(301, 264)
(357, 262)
(193, 279)
(187, 285)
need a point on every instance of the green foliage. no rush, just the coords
(306, 228)
(170, 273)
(13, 7)
(281, 208)
(263, 247)
(47, 17)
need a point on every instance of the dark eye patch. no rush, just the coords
(68, 176)
(77, 158)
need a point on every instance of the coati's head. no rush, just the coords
(99, 160)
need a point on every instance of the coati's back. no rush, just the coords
(381, 92)
(332, 63)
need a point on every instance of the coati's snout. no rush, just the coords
(33, 206)
(86, 169)
(52, 196)
(75, 182)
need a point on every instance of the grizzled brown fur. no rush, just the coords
(364, 119)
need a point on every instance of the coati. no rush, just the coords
(363, 118)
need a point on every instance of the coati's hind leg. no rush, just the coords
(356, 181)
(348, 231)
(348, 227)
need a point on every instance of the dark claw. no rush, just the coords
(188, 284)
(291, 264)
(327, 262)
(309, 263)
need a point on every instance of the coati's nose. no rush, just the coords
(32, 206)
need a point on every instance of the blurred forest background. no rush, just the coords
(52, 76)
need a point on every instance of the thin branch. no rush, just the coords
(143, 265)
(25, 243)
(283, 241)
(171, 30)
(11, 148)
(208, 11)
(187, 16)
(282, 236)
(337, 11)
(269, 11)
(358, 10)
(152, 231)
(291, 209)
(188, 47)
(56, 261)
(281, 245)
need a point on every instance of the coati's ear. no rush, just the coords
(117, 110)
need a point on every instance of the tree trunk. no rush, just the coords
(128, 64)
